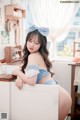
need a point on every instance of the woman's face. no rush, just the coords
(33, 44)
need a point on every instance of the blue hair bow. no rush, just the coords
(44, 31)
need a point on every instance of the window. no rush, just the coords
(76, 20)
(65, 47)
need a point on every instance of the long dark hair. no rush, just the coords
(42, 50)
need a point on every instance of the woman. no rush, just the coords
(36, 68)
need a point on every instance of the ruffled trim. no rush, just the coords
(32, 70)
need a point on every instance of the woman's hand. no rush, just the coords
(19, 83)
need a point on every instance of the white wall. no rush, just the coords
(4, 2)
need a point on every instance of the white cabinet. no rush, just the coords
(39, 102)
(5, 102)
(34, 102)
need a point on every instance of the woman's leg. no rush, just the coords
(64, 103)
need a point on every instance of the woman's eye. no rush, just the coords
(37, 43)
(30, 40)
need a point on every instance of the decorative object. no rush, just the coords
(76, 59)
(76, 48)
(14, 13)
(4, 37)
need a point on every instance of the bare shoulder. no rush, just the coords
(37, 59)
(33, 58)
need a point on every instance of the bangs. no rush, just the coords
(33, 36)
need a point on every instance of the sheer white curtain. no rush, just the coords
(53, 14)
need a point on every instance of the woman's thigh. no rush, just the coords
(64, 103)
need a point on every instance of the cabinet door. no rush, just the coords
(5, 98)
(34, 102)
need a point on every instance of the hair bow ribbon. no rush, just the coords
(44, 31)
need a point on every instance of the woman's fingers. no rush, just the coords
(19, 84)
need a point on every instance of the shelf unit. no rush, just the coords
(14, 12)
(13, 54)
(75, 109)
(76, 48)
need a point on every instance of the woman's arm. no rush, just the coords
(24, 78)
(32, 59)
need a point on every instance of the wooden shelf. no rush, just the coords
(14, 12)
(13, 54)
(75, 49)
(77, 94)
(7, 77)
(75, 109)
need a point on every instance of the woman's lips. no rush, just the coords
(31, 48)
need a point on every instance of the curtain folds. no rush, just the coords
(53, 14)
